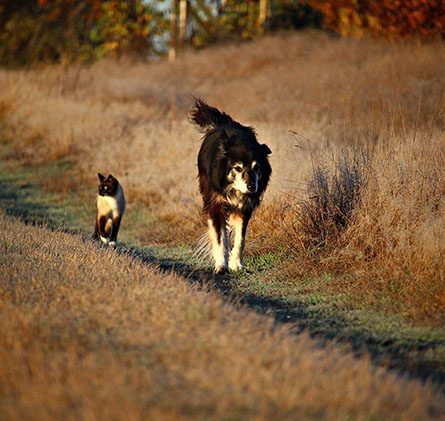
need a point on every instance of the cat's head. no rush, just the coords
(108, 185)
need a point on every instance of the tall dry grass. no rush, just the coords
(87, 333)
(377, 217)
(395, 241)
(131, 119)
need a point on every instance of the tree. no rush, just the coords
(388, 18)
(69, 30)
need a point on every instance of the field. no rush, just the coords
(87, 333)
(348, 242)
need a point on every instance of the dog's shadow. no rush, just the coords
(18, 202)
(323, 326)
(200, 276)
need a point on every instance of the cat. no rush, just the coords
(110, 209)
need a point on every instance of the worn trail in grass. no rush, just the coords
(391, 341)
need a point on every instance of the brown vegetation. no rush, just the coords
(385, 99)
(48, 31)
(387, 18)
(89, 333)
(380, 223)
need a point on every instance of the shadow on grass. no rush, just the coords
(19, 199)
(406, 357)
(13, 202)
(388, 352)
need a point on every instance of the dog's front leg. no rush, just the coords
(239, 228)
(220, 243)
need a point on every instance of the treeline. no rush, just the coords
(388, 18)
(81, 31)
(71, 30)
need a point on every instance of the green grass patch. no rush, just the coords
(310, 305)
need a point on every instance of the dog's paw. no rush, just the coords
(236, 266)
(220, 270)
(113, 244)
(105, 240)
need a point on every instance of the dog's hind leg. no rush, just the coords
(220, 243)
(239, 228)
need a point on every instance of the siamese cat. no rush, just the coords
(110, 209)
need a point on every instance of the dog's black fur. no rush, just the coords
(225, 143)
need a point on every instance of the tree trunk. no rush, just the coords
(262, 15)
(173, 31)
(182, 22)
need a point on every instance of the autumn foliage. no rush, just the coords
(82, 31)
(69, 30)
(389, 18)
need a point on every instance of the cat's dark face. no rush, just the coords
(108, 185)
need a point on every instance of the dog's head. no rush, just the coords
(247, 168)
(244, 176)
(108, 185)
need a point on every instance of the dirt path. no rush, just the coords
(87, 333)
(416, 357)
(324, 327)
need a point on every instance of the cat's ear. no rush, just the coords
(101, 177)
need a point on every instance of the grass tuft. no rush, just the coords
(332, 194)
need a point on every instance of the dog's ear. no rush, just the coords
(265, 149)
(101, 177)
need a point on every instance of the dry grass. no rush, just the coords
(89, 334)
(333, 194)
(378, 221)
(394, 246)
(131, 119)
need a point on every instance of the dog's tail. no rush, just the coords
(207, 117)
(202, 248)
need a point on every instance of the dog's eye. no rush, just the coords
(238, 168)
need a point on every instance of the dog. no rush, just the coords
(233, 173)
(110, 209)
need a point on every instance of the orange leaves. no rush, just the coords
(389, 18)
(76, 30)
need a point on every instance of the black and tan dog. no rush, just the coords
(233, 174)
(110, 209)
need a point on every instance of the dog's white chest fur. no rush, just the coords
(236, 198)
